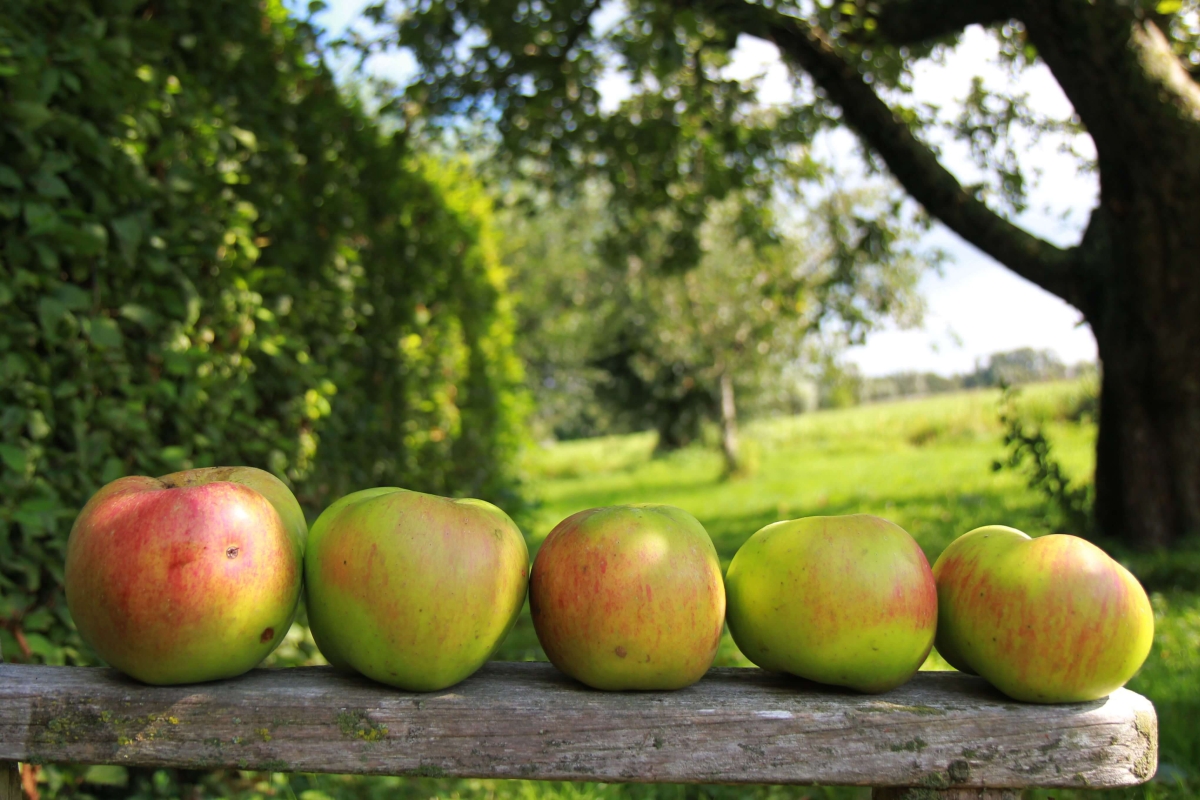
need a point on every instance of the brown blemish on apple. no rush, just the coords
(620, 651)
(267, 635)
(232, 551)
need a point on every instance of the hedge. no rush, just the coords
(211, 255)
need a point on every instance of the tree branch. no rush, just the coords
(911, 161)
(910, 21)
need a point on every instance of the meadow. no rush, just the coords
(925, 464)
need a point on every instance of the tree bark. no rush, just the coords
(1135, 276)
(729, 431)
(1139, 262)
(1147, 325)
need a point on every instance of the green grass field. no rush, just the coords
(925, 464)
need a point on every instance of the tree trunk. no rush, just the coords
(1147, 327)
(1139, 262)
(729, 432)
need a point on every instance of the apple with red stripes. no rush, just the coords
(629, 597)
(1046, 620)
(194, 576)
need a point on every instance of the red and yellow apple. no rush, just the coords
(413, 590)
(629, 597)
(846, 600)
(1046, 620)
(191, 577)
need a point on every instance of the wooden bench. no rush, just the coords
(941, 735)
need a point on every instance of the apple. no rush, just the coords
(847, 600)
(266, 484)
(1046, 620)
(413, 590)
(629, 597)
(191, 577)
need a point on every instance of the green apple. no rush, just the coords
(1046, 620)
(846, 600)
(413, 590)
(629, 597)
(191, 577)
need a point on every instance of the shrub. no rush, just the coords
(209, 255)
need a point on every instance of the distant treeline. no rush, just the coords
(844, 386)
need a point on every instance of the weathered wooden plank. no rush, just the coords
(528, 721)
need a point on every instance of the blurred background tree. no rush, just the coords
(627, 347)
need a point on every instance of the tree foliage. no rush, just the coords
(614, 347)
(209, 255)
(689, 135)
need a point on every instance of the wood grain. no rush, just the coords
(939, 731)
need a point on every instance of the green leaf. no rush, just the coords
(31, 115)
(51, 186)
(47, 255)
(120, 45)
(38, 620)
(13, 457)
(104, 332)
(6, 295)
(13, 367)
(178, 363)
(106, 775)
(55, 162)
(113, 469)
(38, 427)
(8, 644)
(141, 315)
(129, 233)
(1169, 6)
(174, 454)
(92, 239)
(191, 300)
(10, 178)
(73, 297)
(51, 312)
(40, 218)
(39, 645)
(246, 138)
(49, 84)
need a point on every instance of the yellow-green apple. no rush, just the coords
(629, 597)
(191, 577)
(413, 590)
(846, 600)
(1046, 620)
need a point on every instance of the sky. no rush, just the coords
(974, 307)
